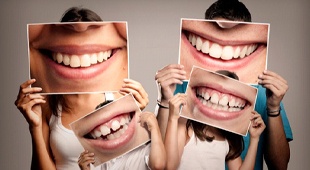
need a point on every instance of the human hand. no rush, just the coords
(166, 79)
(28, 103)
(257, 125)
(85, 159)
(148, 120)
(175, 104)
(276, 87)
(134, 87)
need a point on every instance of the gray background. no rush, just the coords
(154, 41)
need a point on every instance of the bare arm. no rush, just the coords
(157, 157)
(256, 129)
(29, 103)
(276, 147)
(166, 80)
(175, 139)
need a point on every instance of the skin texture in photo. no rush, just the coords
(239, 47)
(79, 56)
(112, 130)
(219, 101)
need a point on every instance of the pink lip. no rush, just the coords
(209, 61)
(66, 72)
(115, 143)
(215, 114)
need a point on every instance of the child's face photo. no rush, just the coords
(239, 47)
(219, 101)
(111, 130)
(79, 56)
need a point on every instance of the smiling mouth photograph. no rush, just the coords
(217, 100)
(111, 130)
(240, 47)
(79, 56)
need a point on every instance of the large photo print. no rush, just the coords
(219, 101)
(79, 56)
(241, 47)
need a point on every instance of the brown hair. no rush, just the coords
(235, 141)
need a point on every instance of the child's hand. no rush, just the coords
(175, 103)
(149, 120)
(85, 159)
(134, 87)
(257, 125)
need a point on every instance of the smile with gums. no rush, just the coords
(112, 129)
(113, 133)
(219, 105)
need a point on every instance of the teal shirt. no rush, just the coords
(260, 107)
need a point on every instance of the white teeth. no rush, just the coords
(93, 59)
(97, 133)
(206, 96)
(243, 51)
(214, 98)
(223, 101)
(218, 51)
(227, 53)
(110, 137)
(205, 47)
(104, 130)
(198, 43)
(59, 58)
(193, 40)
(75, 61)
(123, 121)
(115, 125)
(66, 60)
(84, 60)
(118, 127)
(232, 102)
(215, 50)
(220, 101)
(237, 52)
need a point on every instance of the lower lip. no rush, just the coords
(110, 145)
(215, 114)
(210, 62)
(69, 73)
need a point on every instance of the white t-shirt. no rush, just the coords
(204, 155)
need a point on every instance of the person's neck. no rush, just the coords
(83, 103)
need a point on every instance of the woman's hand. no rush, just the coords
(134, 87)
(28, 103)
(167, 79)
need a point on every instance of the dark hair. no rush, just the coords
(73, 14)
(228, 9)
(228, 74)
(76, 14)
(235, 141)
